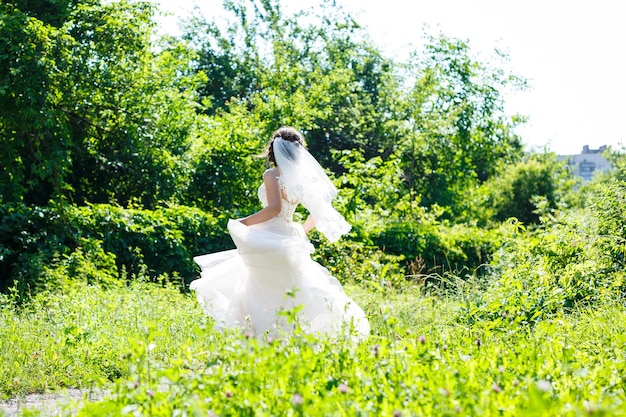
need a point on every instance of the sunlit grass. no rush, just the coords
(79, 335)
(157, 353)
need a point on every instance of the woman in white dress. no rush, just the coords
(270, 283)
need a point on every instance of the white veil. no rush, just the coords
(304, 178)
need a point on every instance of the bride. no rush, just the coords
(270, 284)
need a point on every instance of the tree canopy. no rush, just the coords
(95, 110)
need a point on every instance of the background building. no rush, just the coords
(588, 162)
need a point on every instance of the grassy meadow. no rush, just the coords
(153, 348)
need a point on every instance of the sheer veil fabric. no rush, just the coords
(270, 278)
(306, 180)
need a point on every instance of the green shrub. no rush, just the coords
(226, 171)
(356, 262)
(164, 240)
(574, 260)
(608, 204)
(386, 215)
(99, 241)
(514, 191)
(30, 238)
(440, 247)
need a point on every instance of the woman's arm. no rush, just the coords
(309, 224)
(274, 202)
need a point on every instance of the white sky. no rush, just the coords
(572, 52)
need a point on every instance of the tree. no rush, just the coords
(457, 132)
(90, 111)
(539, 184)
(52, 12)
(322, 76)
(35, 61)
(133, 109)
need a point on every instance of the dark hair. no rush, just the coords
(287, 133)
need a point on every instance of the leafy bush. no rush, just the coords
(515, 190)
(440, 247)
(99, 241)
(366, 265)
(30, 238)
(385, 215)
(226, 171)
(577, 259)
(608, 205)
(164, 240)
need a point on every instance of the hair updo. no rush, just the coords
(287, 133)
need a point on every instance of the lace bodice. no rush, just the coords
(288, 206)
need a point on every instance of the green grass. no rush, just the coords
(79, 335)
(157, 353)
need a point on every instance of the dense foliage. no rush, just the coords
(97, 110)
(112, 240)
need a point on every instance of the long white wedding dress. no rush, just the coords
(270, 274)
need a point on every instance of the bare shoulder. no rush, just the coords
(271, 173)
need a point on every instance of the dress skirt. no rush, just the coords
(269, 285)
